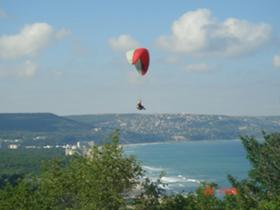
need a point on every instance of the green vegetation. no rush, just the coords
(107, 179)
(24, 161)
(37, 122)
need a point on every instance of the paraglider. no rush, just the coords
(140, 58)
(140, 106)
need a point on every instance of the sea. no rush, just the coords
(186, 165)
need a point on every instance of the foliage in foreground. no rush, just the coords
(107, 179)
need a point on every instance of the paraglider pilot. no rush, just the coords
(140, 106)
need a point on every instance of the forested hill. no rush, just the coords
(37, 122)
(133, 127)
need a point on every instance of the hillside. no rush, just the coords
(39, 129)
(37, 122)
(46, 128)
(162, 127)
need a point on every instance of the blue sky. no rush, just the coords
(207, 57)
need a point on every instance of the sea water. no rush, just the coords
(187, 164)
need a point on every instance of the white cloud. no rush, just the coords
(62, 33)
(27, 69)
(123, 42)
(198, 32)
(198, 67)
(276, 61)
(29, 41)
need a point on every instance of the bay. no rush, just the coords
(187, 164)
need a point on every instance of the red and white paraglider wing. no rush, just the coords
(140, 59)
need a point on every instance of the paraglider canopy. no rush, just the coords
(140, 59)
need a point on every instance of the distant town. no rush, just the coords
(80, 148)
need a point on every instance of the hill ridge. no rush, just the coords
(135, 128)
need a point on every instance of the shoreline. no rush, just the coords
(186, 141)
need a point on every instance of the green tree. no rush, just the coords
(101, 180)
(262, 187)
(152, 192)
(22, 196)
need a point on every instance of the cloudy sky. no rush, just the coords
(207, 56)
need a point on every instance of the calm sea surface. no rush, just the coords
(187, 164)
